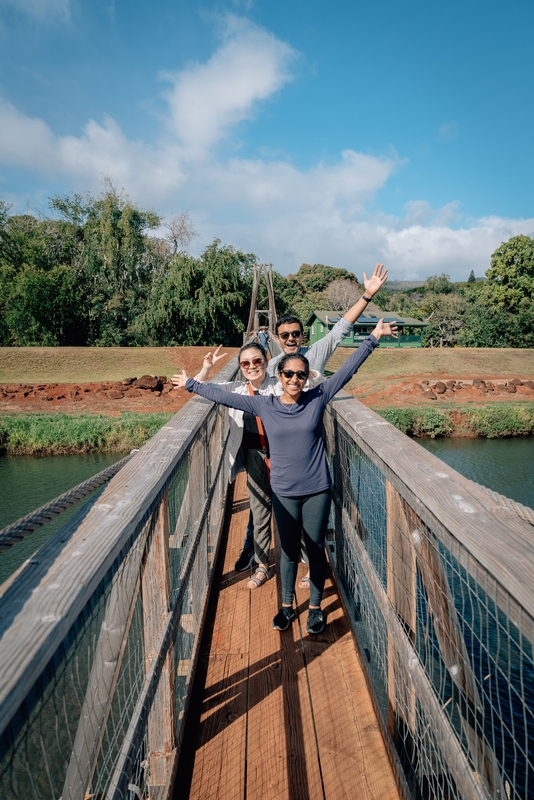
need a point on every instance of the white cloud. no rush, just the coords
(208, 99)
(448, 131)
(41, 9)
(264, 205)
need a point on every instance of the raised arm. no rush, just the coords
(343, 375)
(372, 285)
(209, 361)
(213, 392)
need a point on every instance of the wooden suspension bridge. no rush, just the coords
(134, 662)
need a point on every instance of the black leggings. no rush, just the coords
(308, 514)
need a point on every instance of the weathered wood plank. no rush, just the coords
(36, 614)
(155, 588)
(105, 670)
(219, 770)
(450, 504)
(219, 763)
(354, 761)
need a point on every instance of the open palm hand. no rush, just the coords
(376, 281)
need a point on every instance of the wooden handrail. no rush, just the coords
(43, 601)
(452, 506)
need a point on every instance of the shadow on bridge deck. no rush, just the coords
(277, 715)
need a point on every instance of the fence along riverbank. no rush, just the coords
(100, 629)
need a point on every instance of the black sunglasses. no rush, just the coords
(290, 335)
(300, 373)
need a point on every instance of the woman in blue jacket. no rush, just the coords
(300, 478)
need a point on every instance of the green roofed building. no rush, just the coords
(410, 330)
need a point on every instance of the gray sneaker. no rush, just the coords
(315, 623)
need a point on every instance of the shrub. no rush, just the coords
(54, 434)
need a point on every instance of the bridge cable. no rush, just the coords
(18, 530)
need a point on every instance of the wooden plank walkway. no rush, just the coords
(277, 715)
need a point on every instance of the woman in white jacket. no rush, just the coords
(247, 441)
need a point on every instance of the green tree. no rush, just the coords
(202, 300)
(115, 261)
(510, 283)
(471, 278)
(439, 284)
(316, 277)
(445, 317)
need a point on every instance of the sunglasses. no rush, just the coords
(254, 363)
(301, 375)
(290, 335)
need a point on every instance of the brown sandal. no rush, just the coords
(260, 576)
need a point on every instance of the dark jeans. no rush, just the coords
(308, 514)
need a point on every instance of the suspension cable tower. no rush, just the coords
(265, 270)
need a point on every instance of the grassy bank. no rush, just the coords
(493, 422)
(56, 434)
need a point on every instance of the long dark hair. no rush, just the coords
(289, 357)
(253, 346)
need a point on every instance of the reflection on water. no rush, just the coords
(504, 465)
(27, 482)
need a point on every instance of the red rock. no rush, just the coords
(114, 394)
(439, 387)
(135, 393)
(425, 383)
(146, 382)
(162, 379)
(428, 394)
(128, 381)
(516, 382)
(450, 384)
(511, 388)
(530, 384)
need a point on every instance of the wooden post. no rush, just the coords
(156, 591)
(454, 652)
(105, 672)
(402, 591)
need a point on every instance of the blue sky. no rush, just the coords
(344, 133)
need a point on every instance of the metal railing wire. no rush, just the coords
(99, 631)
(438, 586)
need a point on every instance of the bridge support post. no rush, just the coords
(155, 591)
(107, 662)
(402, 591)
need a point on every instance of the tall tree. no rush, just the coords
(471, 278)
(201, 300)
(510, 283)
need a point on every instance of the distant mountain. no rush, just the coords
(401, 286)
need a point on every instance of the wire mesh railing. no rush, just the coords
(99, 630)
(439, 588)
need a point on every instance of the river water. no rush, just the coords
(504, 465)
(27, 482)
